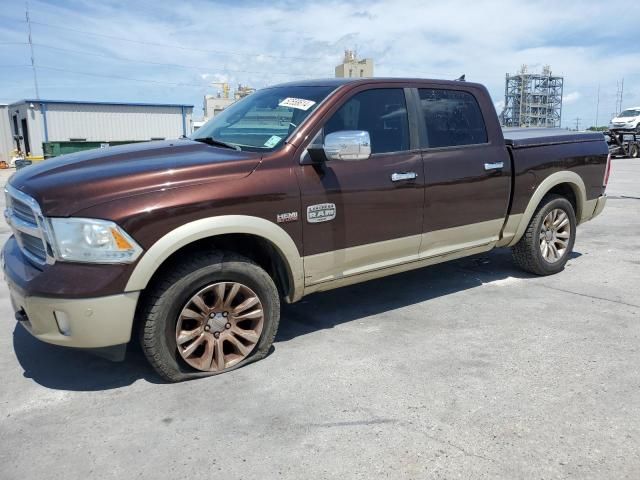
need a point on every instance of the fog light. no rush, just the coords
(62, 319)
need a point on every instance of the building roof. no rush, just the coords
(80, 102)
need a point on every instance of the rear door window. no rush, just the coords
(452, 118)
(382, 112)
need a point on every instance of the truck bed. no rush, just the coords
(534, 137)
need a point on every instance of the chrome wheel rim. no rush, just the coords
(219, 326)
(555, 233)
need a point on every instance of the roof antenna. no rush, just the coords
(461, 78)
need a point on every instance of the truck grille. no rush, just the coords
(34, 246)
(25, 218)
(23, 211)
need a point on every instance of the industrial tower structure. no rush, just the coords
(352, 66)
(532, 100)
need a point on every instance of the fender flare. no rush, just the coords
(577, 185)
(191, 232)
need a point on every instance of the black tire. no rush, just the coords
(527, 254)
(165, 299)
(634, 150)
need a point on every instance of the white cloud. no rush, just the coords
(570, 98)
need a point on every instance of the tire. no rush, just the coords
(634, 150)
(528, 252)
(170, 304)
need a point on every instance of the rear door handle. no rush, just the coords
(398, 177)
(494, 166)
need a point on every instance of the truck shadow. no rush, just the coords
(70, 369)
(67, 369)
(328, 309)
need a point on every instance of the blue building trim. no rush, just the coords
(126, 104)
(43, 106)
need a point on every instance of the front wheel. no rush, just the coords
(210, 314)
(546, 244)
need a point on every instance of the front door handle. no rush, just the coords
(398, 177)
(494, 166)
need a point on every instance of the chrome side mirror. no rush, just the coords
(347, 145)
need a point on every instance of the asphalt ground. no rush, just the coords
(469, 369)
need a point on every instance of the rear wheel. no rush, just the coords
(211, 314)
(546, 244)
(634, 150)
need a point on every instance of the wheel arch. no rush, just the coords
(234, 232)
(567, 184)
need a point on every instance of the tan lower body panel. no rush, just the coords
(404, 267)
(91, 322)
(510, 229)
(441, 242)
(600, 203)
(364, 262)
(588, 210)
(328, 266)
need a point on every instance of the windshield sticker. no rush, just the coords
(273, 141)
(299, 103)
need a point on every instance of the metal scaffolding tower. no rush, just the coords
(532, 100)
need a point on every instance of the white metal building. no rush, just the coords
(47, 126)
(213, 105)
(6, 138)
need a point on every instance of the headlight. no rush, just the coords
(95, 241)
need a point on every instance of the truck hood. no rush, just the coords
(67, 184)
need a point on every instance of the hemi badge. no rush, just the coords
(287, 217)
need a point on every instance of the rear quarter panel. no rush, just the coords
(532, 165)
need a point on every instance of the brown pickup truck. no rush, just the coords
(295, 189)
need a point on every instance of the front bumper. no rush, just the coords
(623, 127)
(84, 323)
(76, 320)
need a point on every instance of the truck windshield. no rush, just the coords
(263, 120)
(630, 113)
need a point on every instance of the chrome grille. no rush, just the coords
(35, 246)
(25, 218)
(23, 211)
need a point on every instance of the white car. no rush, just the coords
(629, 119)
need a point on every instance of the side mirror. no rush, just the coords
(347, 145)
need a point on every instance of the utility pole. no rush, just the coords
(597, 107)
(619, 94)
(33, 61)
(577, 123)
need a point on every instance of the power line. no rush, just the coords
(178, 65)
(118, 77)
(180, 47)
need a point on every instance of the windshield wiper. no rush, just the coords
(217, 143)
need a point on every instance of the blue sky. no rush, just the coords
(170, 52)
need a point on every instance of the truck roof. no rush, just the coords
(337, 82)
